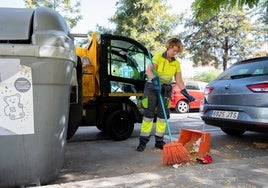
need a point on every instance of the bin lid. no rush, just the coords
(43, 31)
(15, 23)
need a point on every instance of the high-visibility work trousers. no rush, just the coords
(152, 105)
(147, 125)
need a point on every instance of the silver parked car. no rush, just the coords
(237, 100)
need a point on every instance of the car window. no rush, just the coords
(192, 86)
(248, 69)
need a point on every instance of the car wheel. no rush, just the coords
(119, 125)
(232, 132)
(182, 107)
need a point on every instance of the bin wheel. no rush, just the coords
(75, 117)
(119, 125)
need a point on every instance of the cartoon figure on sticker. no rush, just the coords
(14, 109)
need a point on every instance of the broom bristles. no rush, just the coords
(175, 153)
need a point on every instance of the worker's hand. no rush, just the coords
(187, 95)
(156, 83)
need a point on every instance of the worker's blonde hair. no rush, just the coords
(174, 42)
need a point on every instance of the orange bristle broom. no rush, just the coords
(173, 152)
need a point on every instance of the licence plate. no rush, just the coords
(225, 114)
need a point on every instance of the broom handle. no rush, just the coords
(161, 99)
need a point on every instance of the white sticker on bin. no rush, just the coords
(16, 98)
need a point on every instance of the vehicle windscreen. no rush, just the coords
(243, 70)
(126, 66)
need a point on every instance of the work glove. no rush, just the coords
(187, 95)
(156, 84)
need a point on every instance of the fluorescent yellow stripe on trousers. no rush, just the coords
(146, 126)
(160, 127)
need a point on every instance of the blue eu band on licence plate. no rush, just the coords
(225, 114)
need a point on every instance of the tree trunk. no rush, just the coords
(225, 54)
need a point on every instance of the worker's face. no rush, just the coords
(173, 51)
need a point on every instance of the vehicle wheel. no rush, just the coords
(182, 107)
(119, 125)
(75, 117)
(232, 132)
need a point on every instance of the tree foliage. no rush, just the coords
(69, 9)
(225, 37)
(148, 21)
(204, 9)
(207, 76)
(207, 8)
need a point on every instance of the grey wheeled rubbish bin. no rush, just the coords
(37, 57)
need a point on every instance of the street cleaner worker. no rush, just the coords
(166, 68)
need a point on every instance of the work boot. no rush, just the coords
(141, 147)
(143, 141)
(159, 144)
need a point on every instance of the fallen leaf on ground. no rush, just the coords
(230, 146)
(196, 179)
(261, 145)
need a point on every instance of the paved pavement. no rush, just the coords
(231, 173)
(106, 163)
